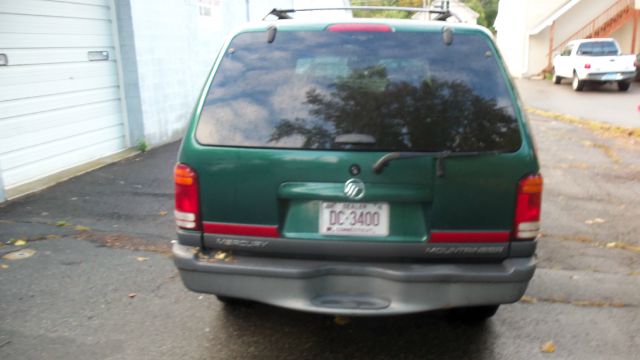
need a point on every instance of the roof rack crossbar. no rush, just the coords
(443, 14)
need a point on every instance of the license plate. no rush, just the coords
(354, 219)
(611, 76)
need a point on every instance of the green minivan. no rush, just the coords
(359, 167)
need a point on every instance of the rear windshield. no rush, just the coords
(598, 48)
(400, 91)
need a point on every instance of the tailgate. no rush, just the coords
(284, 149)
(275, 201)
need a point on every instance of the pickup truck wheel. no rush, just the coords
(473, 314)
(556, 79)
(576, 83)
(623, 85)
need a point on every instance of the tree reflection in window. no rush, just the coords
(434, 115)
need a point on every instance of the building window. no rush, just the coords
(204, 6)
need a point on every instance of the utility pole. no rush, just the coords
(246, 3)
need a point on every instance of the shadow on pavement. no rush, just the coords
(254, 330)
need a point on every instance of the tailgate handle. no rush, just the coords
(335, 192)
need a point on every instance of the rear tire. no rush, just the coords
(576, 83)
(623, 85)
(473, 314)
(556, 79)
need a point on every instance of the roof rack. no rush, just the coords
(442, 14)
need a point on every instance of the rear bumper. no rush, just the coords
(348, 288)
(619, 76)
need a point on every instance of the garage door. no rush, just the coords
(59, 91)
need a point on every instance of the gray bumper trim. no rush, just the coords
(355, 288)
(623, 76)
(189, 238)
(525, 248)
(356, 249)
(509, 270)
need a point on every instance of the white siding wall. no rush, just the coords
(174, 48)
(176, 42)
(528, 55)
(511, 35)
(624, 36)
(57, 108)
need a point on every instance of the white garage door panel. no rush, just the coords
(57, 101)
(25, 173)
(31, 24)
(65, 132)
(50, 121)
(87, 2)
(54, 8)
(54, 56)
(21, 41)
(55, 87)
(51, 149)
(57, 108)
(35, 74)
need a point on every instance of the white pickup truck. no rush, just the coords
(593, 60)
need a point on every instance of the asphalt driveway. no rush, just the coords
(600, 103)
(94, 279)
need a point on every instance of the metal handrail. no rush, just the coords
(443, 13)
(596, 23)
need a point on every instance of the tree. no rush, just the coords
(434, 115)
(486, 9)
(385, 13)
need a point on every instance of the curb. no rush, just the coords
(50, 180)
(586, 123)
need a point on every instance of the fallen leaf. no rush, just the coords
(529, 299)
(624, 246)
(20, 242)
(81, 228)
(51, 237)
(4, 266)
(220, 255)
(19, 255)
(548, 347)
(142, 258)
(62, 223)
(587, 303)
(162, 213)
(132, 295)
(595, 221)
(341, 320)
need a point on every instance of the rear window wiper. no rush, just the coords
(440, 156)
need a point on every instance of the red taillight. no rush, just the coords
(187, 212)
(359, 28)
(241, 229)
(587, 66)
(528, 201)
